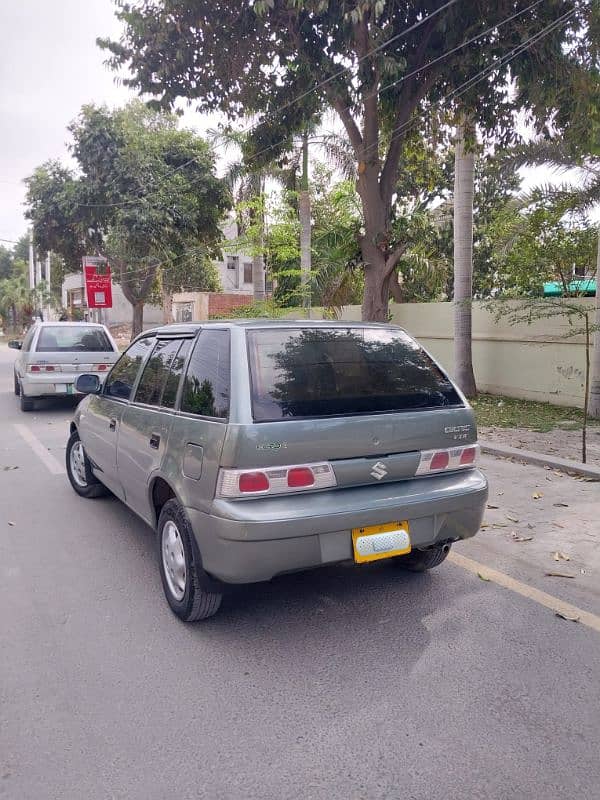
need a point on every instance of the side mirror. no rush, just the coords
(88, 384)
(14, 344)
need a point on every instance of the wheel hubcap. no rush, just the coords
(77, 460)
(173, 557)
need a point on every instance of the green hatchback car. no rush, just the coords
(256, 448)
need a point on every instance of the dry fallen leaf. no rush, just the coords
(567, 615)
(561, 505)
(518, 538)
(558, 575)
(12, 524)
(537, 495)
(483, 577)
(558, 555)
(500, 494)
(491, 506)
(512, 519)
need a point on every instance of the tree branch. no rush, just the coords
(394, 257)
(349, 124)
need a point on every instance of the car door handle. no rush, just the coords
(155, 441)
(112, 425)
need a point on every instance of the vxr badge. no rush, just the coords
(379, 471)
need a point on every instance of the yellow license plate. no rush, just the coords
(380, 541)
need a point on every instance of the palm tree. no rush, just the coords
(559, 156)
(15, 297)
(464, 168)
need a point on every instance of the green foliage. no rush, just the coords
(539, 245)
(494, 411)
(145, 193)
(267, 309)
(6, 262)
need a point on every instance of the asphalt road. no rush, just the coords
(338, 684)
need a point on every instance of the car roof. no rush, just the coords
(46, 324)
(190, 328)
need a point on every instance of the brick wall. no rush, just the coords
(221, 305)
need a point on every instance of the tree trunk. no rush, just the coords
(137, 324)
(167, 304)
(258, 277)
(464, 164)
(594, 401)
(305, 227)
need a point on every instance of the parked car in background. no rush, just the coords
(256, 448)
(53, 354)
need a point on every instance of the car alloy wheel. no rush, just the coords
(173, 557)
(77, 461)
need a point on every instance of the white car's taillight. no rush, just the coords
(274, 480)
(44, 368)
(433, 461)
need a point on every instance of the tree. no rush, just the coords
(464, 168)
(146, 192)
(15, 295)
(6, 262)
(379, 65)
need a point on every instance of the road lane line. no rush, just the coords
(47, 459)
(549, 601)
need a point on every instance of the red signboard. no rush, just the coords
(98, 285)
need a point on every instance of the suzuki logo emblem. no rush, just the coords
(379, 471)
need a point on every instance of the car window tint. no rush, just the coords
(206, 387)
(321, 372)
(73, 339)
(156, 372)
(171, 386)
(121, 378)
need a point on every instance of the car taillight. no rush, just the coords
(43, 368)
(253, 482)
(102, 367)
(434, 461)
(275, 480)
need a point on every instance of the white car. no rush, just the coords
(53, 354)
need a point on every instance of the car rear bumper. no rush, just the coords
(254, 540)
(59, 384)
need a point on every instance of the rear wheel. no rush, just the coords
(179, 571)
(79, 470)
(17, 386)
(422, 560)
(26, 402)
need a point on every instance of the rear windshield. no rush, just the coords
(324, 372)
(73, 339)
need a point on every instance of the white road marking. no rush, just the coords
(52, 464)
(547, 600)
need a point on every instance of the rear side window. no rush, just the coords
(27, 341)
(73, 339)
(323, 372)
(169, 394)
(121, 378)
(206, 387)
(156, 372)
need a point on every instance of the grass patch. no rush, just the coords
(493, 411)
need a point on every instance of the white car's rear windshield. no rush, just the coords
(73, 339)
(319, 372)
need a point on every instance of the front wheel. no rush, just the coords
(179, 571)
(79, 470)
(422, 560)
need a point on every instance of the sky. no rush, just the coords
(50, 66)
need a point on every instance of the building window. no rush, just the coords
(247, 272)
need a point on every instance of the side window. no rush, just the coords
(169, 394)
(121, 378)
(206, 387)
(156, 372)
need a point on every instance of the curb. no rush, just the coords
(541, 460)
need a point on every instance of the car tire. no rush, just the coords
(17, 386)
(423, 560)
(26, 402)
(180, 570)
(79, 470)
